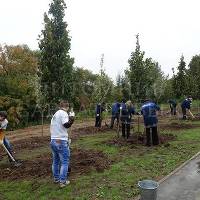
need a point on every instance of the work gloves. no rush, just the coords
(71, 116)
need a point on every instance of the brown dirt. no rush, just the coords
(83, 162)
(177, 126)
(34, 142)
(37, 131)
(139, 139)
(197, 117)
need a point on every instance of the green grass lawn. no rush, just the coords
(119, 181)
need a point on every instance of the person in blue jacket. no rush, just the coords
(149, 111)
(100, 107)
(186, 105)
(126, 112)
(115, 113)
(172, 105)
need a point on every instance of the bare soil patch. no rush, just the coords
(33, 142)
(134, 140)
(177, 126)
(82, 162)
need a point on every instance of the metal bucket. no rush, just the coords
(148, 189)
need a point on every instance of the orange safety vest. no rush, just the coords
(2, 135)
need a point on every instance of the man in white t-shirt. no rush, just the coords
(3, 126)
(60, 122)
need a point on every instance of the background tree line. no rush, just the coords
(34, 81)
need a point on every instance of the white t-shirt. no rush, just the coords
(3, 124)
(57, 130)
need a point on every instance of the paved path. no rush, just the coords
(183, 185)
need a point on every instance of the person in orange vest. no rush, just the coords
(3, 126)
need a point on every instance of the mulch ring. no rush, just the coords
(177, 126)
(134, 140)
(82, 162)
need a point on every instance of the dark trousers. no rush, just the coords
(152, 132)
(98, 121)
(113, 120)
(126, 129)
(173, 110)
(184, 113)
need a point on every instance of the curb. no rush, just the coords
(173, 172)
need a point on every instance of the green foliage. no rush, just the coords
(18, 83)
(145, 76)
(14, 109)
(180, 79)
(56, 65)
(137, 72)
(194, 77)
(83, 87)
(103, 85)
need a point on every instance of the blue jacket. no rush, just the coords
(126, 113)
(148, 111)
(99, 109)
(172, 103)
(186, 104)
(115, 108)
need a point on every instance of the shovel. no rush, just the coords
(16, 163)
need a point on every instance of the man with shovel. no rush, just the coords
(186, 104)
(4, 141)
(148, 111)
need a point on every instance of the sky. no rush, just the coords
(167, 29)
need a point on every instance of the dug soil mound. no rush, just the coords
(177, 126)
(82, 162)
(134, 140)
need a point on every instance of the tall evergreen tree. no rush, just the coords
(194, 76)
(143, 74)
(103, 85)
(136, 72)
(179, 80)
(56, 65)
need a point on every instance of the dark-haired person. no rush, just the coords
(115, 113)
(186, 105)
(60, 123)
(172, 105)
(149, 111)
(100, 107)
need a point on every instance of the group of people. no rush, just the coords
(63, 119)
(185, 107)
(123, 112)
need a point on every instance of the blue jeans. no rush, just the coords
(61, 155)
(7, 144)
(8, 147)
